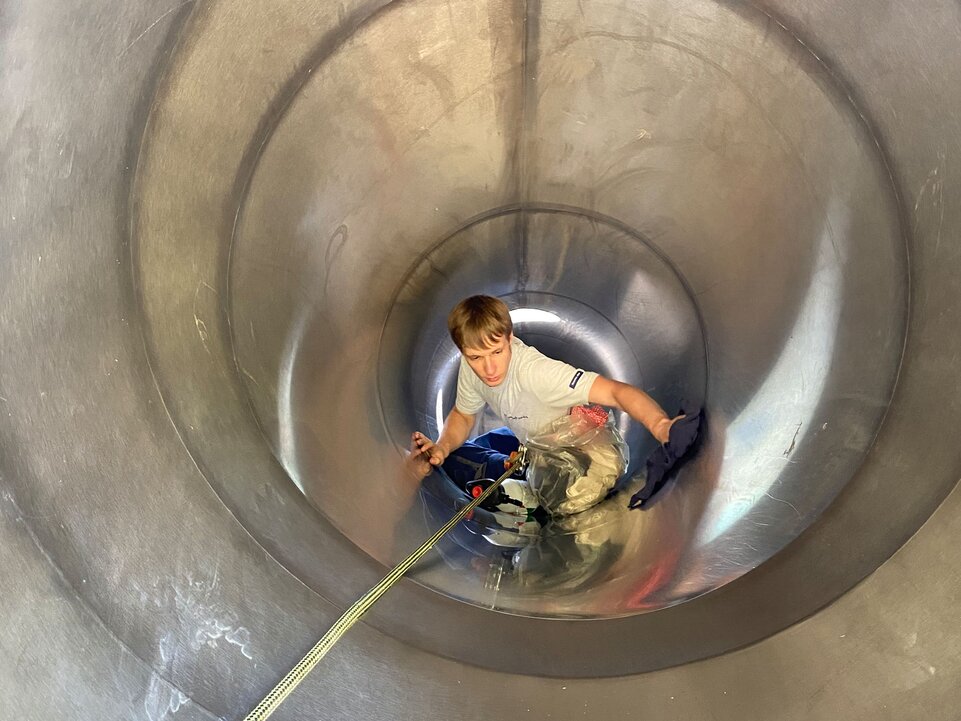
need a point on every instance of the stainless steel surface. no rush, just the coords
(231, 234)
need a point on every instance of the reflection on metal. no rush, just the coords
(533, 315)
(793, 389)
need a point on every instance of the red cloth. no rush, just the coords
(595, 415)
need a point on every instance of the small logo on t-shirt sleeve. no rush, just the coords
(577, 377)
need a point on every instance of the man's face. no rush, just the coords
(490, 362)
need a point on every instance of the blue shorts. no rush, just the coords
(482, 457)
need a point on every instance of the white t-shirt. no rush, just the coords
(535, 391)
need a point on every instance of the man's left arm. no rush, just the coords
(635, 402)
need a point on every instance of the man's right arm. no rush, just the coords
(457, 428)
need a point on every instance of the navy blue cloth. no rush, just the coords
(666, 459)
(482, 457)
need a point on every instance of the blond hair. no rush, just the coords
(479, 321)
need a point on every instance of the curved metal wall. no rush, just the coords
(232, 232)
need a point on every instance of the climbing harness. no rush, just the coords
(298, 673)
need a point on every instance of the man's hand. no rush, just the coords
(636, 403)
(425, 454)
(662, 429)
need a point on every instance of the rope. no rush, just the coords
(298, 673)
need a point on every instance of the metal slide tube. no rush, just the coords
(231, 233)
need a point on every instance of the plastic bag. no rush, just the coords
(575, 461)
